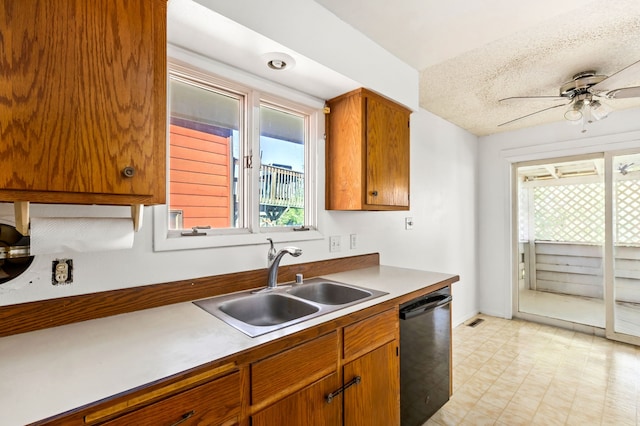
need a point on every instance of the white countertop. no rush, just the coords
(50, 371)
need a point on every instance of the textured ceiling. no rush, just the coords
(471, 54)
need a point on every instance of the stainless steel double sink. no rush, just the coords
(256, 313)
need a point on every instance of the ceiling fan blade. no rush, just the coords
(623, 77)
(625, 92)
(533, 113)
(530, 98)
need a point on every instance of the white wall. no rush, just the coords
(443, 208)
(313, 31)
(496, 153)
(443, 186)
(443, 170)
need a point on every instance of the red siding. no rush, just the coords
(200, 177)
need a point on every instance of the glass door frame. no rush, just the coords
(608, 246)
(609, 252)
(515, 299)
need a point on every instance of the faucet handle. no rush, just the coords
(293, 251)
(271, 254)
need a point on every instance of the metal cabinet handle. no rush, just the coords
(184, 417)
(374, 193)
(128, 172)
(341, 389)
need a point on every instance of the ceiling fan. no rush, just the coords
(583, 94)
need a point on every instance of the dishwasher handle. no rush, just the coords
(424, 305)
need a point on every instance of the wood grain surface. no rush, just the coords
(37, 315)
(83, 96)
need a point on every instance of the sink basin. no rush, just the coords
(256, 313)
(329, 293)
(267, 309)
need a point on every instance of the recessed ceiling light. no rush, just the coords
(279, 61)
(277, 64)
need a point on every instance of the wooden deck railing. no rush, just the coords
(577, 269)
(281, 187)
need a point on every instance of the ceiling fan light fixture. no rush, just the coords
(600, 110)
(574, 113)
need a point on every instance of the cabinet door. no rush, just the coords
(376, 399)
(387, 146)
(308, 406)
(83, 97)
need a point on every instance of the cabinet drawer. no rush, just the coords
(370, 333)
(214, 403)
(294, 368)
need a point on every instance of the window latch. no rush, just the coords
(195, 231)
(248, 161)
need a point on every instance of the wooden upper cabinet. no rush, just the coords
(367, 153)
(82, 99)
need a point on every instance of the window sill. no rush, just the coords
(163, 240)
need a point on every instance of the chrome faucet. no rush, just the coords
(273, 268)
(271, 254)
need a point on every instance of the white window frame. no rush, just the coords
(257, 92)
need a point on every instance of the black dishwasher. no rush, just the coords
(425, 325)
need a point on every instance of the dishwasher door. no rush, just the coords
(425, 350)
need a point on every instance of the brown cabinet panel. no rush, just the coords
(367, 153)
(83, 96)
(215, 403)
(308, 406)
(294, 368)
(387, 154)
(345, 158)
(368, 334)
(375, 400)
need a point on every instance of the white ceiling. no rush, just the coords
(469, 54)
(472, 53)
(196, 28)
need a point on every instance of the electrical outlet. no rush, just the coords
(62, 271)
(334, 243)
(353, 241)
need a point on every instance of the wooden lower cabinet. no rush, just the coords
(272, 387)
(375, 400)
(216, 403)
(369, 351)
(308, 406)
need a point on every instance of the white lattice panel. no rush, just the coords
(523, 213)
(570, 213)
(627, 207)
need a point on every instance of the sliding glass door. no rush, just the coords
(624, 281)
(578, 250)
(561, 235)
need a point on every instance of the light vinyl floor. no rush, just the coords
(513, 372)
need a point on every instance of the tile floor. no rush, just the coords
(513, 372)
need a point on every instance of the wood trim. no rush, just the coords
(371, 333)
(21, 209)
(31, 316)
(287, 372)
(172, 388)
